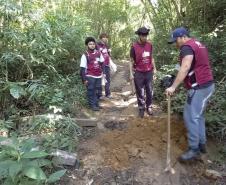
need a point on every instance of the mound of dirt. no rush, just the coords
(144, 139)
(126, 150)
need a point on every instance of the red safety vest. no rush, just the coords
(93, 63)
(104, 51)
(143, 57)
(201, 70)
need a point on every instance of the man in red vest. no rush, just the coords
(144, 67)
(91, 71)
(196, 73)
(105, 51)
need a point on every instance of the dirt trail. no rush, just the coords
(126, 150)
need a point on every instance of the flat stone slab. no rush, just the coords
(84, 122)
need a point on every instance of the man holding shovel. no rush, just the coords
(196, 73)
(143, 66)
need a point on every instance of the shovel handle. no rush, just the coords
(168, 132)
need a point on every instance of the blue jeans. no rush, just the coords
(194, 115)
(93, 90)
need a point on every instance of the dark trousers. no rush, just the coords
(93, 91)
(108, 79)
(143, 83)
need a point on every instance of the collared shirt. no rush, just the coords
(83, 64)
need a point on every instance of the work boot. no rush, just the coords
(149, 111)
(141, 113)
(95, 108)
(99, 106)
(191, 154)
(101, 98)
(109, 97)
(202, 148)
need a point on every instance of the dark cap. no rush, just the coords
(178, 32)
(89, 39)
(142, 31)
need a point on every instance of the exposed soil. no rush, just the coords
(126, 150)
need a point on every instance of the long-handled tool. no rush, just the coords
(132, 86)
(168, 160)
(131, 79)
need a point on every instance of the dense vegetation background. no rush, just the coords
(41, 43)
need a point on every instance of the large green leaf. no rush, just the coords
(4, 168)
(11, 152)
(34, 154)
(3, 172)
(14, 169)
(39, 162)
(27, 145)
(26, 181)
(9, 181)
(56, 176)
(16, 91)
(34, 172)
(3, 138)
(2, 156)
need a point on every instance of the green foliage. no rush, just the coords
(159, 92)
(41, 45)
(56, 176)
(206, 20)
(21, 163)
(16, 91)
(55, 131)
(215, 114)
(114, 18)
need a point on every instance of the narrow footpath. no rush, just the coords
(126, 150)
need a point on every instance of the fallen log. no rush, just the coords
(82, 122)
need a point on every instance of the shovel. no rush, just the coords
(131, 79)
(168, 160)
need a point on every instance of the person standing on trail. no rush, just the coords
(91, 71)
(196, 73)
(143, 66)
(103, 48)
